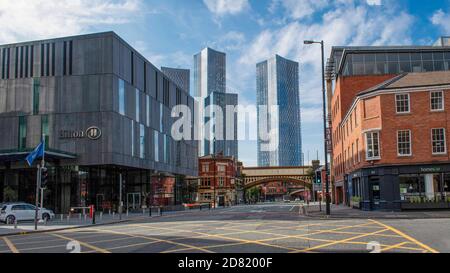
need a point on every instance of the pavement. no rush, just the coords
(262, 228)
(344, 212)
(61, 222)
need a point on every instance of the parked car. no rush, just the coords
(10, 212)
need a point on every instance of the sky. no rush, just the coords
(170, 32)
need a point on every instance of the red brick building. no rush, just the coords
(361, 85)
(218, 177)
(391, 145)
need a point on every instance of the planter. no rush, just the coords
(425, 206)
(355, 205)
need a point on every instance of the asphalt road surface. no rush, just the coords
(272, 228)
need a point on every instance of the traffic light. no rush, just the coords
(44, 177)
(318, 177)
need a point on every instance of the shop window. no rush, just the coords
(402, 103)
(411, 186)
(404, 143)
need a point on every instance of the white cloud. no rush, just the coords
(374, 2)
(344, 25)
(299, 9)
(38, 19)
(230, 41)
(178, 59)
(441, 19)
(223, 7)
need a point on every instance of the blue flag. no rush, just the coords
(38, 152)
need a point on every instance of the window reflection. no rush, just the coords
(395, 63)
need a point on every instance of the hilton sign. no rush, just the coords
(92, 133)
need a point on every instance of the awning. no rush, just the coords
(16, 156)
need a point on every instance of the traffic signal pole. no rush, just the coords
(38, 182)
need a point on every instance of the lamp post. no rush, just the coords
(214, 157)
(327, 184)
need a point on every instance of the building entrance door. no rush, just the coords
(133, 201)
(375, 193)
(99, 201)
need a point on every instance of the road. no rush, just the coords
(272, 228)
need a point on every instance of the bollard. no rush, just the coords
(113, 214)
(15, 223)
(109, 211)
(150, 212)
(68, 218)
(143, 211)
(80, 215)
(93, 218)
(62, 217)
(101, 215)
(85, 217)
(160, 211)
(127, 212)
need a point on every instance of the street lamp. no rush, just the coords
(214, 157)
(327, 184)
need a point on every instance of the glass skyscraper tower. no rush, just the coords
(210, 89)
(277, 83)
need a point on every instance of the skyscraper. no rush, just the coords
(180, 77)
(277, 83)
(210, 89)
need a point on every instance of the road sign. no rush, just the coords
(317, 187)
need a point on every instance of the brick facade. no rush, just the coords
(218, 176)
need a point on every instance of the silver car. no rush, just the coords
(11, 212)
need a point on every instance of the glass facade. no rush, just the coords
(138, 105)
(121, 97)
(156, 145)
(395, 62)
(161, 117)
(36, 85)
(132, 139)
(44, 129)
(142, 141)
(278, 84)
(22, 133)
(147, 109)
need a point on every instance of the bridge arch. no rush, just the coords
(253, 183)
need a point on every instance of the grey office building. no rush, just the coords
(277, 83)
(180, 77)
(210, 88)
(105, 112)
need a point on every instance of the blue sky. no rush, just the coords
(169, 32)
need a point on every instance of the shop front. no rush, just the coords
(402, 187)
(72, 186)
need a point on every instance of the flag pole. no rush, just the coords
(42, 166)
(38, 184)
